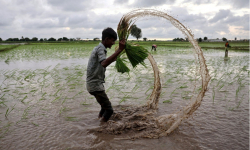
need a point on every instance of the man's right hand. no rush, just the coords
(122, 44)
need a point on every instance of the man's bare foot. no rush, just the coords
(99, 116)
(103, 120)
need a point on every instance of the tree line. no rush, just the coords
(26, 39)
(135, 32)
(205, 38)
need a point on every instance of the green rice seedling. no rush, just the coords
(221, 86)
(135, 88)
(124, 98)
(35, 124)
(240, 101)
(64, 100)
(84, 103)
(3, 103)
(25, 113)
(231, 108)
(71, 119)
(43, 134)
(57, 91)
(173, 91)
(169, 81)
(162, 94)
(2, 97)
(56, 99)
(8, 111)
(6, 128)
(169, 101)
(24, 99)
(183, 86)
(185, 95)
(150, 88)
(213, 95)
(6, 90)
(237, 91)
(77, 94)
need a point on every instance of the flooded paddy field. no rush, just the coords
(44, 103)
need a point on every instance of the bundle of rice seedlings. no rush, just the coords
(135, 54)
(121, 66)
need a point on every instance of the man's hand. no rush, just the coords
(113, 57)
(122, 44)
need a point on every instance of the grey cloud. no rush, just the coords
(241, 3)
(77, 19)
(237, 3)
(221, 15)
(41, 23)
(238, 21)
(149, 3)
(48, 18)
(92, 20)
(198, 2)
(7, 16)
(234, 3)
(121, 2)
(6, 19)
(72, 5)
(160, 32)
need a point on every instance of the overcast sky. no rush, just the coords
(87, 18)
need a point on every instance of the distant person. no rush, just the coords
(226, 49)
(96, 71)
(227, 45)
(154, 47)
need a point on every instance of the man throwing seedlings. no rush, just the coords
(96, 71)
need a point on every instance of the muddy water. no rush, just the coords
(44, 117)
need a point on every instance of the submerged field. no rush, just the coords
(44, 103)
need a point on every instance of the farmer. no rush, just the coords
(227, 45)
(154, 47)
(96, 71)
(226, 50)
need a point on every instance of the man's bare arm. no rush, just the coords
(113, 57)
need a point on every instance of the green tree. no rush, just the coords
(60, 39)
(34, 39)
(224, 39)
(205, 38)
(200, 39)
(144, 39)
(51, 39)
(136, 32)
(96, 39)
(178, 39)
(65, 39)
(26, 39)
(9, 39)
(41, 40)
(1, 39)
(15, 39)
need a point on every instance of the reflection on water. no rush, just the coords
(49, 107)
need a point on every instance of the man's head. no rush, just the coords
(109, 37)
